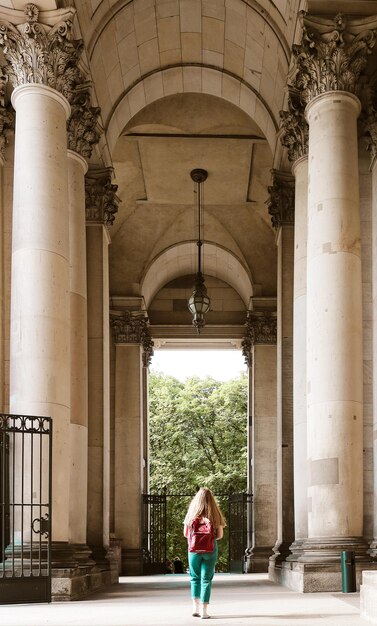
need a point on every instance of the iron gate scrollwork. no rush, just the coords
(239, 522)
(25, 513)
(154, 533)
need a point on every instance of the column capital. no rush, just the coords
(100, 197)
(332, 55)
(132, 327)
(83, 127)
(42, 53)
(281, 203)
(261, 329)
(295, 135)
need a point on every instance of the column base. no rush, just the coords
(74, 572)
(132, 562)
(314, 565)
(257, 559)
(281, 551)
(368, 597)
(114, 555)
(373, 548)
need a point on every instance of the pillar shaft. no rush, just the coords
(77, 167)
(99, 386)
(374, 300)
(264, 424)
(39, 371)
(300, 170)
(129, 453)
(334, 320)
(285, 242)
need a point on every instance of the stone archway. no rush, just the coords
(181, 260)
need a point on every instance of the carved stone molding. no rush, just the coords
(101, 201)
(7, 117)
(83, 127)
(295, 135)
(261, 328)
(133, 328)
(281, 203)
(368, 119)
(331, 56)
(41, 53)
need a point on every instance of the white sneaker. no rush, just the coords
(204, 614)
(195, 607)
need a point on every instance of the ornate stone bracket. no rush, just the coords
(83, 126)
(261, 328)
(331, 56)
(40, 53)
(295, 134)
(133, 328)
(101, 200)
(281, 203)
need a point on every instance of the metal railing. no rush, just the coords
(25, 508)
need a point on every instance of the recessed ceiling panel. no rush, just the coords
(167, 164)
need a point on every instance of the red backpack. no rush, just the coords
(201, 536)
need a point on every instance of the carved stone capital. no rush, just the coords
(41, 53)
(295, 135)
(7, 120)
(101, 201)
(331, 56)
(82, 126)
(133, 328)
(281, 203)
(261, 328)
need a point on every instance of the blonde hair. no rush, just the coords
(204, 504)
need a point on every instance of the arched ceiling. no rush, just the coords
(181, 260)
(153, 159)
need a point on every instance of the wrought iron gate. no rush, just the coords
(238, 521)
(154, 520)
(154, 533)
(25, 513)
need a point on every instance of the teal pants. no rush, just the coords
(202, 569)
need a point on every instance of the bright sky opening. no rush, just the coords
(220, 364)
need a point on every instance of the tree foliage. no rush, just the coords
(197, 438)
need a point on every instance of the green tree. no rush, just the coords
(197, 438)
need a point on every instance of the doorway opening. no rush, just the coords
(197, 437)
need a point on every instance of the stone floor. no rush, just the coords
(164, 600)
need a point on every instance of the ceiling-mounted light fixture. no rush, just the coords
(199, 301)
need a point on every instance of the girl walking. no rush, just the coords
(204, 517)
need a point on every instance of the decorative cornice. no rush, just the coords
(281, 203)
(83, 127)
(101, 201)
(43, 54)
(295, 134)
(331, 56)
(261, 328)
(133, 328)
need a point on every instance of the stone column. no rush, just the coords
(39, 342)
(371, 127)
(295, 138)
(82, 135)
(259, 348)
(7, 121)
(101, 206)
(133, 352)
(334, 307)
(281, 209)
